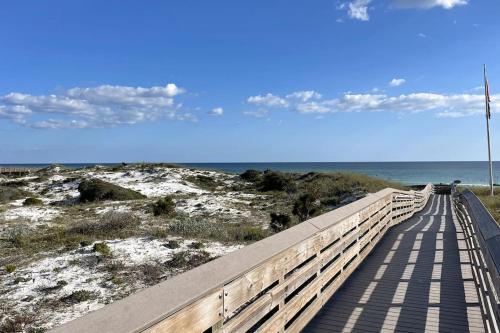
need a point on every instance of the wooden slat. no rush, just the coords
(374, 302)
(196, 317)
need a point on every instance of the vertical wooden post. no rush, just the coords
(488, 115)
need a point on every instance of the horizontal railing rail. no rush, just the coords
(482, 236)
(16, 170)
(275, 285)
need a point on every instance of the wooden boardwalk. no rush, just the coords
(418, 279)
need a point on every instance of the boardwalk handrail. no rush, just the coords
(275, 285)
(482, 236)
(17, 170)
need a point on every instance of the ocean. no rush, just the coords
(472, 173)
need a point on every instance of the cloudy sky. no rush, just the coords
(222, 81)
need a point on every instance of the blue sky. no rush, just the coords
(234, 81)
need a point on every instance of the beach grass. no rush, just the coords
(491, 203)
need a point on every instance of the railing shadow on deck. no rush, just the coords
(482, 239)
(412, 282)
(277, 284)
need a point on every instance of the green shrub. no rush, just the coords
(188, 227)
(18, 323)
(10, 268)
(197, 245)
(172, 244)
(280, 222)
(276, 181)
(251, 175)
(331, 201)
(85, 243)
(205, 182)
(199, 258)
(32, 202)
(341, 184)
(178, 260)
(248, 233)
(98, 190)
(305, 207)
(491, 203)
(164, 206)
(79, 296)
(102, 248)
(8, 194)
(150, 273)
(18, 236)
(116, 280)
(16, 183)
(116, 221)
(185, 259)
(111, 224)
(227, 232)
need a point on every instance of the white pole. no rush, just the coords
(486, 93)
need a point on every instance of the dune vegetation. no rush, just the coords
(73, 240)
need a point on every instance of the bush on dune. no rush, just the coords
(305, 206)
(8, 193)
(111, 224)
(32, 202)
(338, 184)
(164, 206)
(98, 190)
(251, 175)
(276, 181)
(280, 222)
(202, 229)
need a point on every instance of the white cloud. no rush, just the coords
(358, 9)
(422, 35)
(426, 4)
(269, 100)
(260, 113)
(100, 106)
(443, 105)
(55, 123)
(453, 114)
(216, 111)
(304, 95)
(397, 82)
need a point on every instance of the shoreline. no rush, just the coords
(472, 173)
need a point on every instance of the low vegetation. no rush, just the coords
(9, 268)
(164, 206)
(280, 222)
(72, 235)
(8, 193)
(204, 182)
(102, 248)
(31, 201)
(251, 176)
(99, 190)
(276, 181)
(79, 296)
(491, 203)
(226, 232)
(299, 197)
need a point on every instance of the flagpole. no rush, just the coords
(486, 96)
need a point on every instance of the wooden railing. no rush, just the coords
(16, 170)
(275, 285)
(482, 237)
